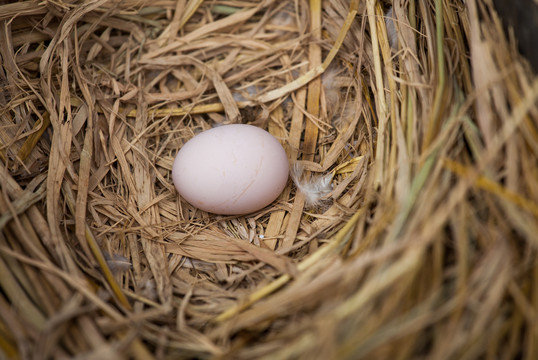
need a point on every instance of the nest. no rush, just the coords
(421, 115)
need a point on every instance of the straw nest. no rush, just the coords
(424, 118)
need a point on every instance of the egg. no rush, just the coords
(231, 170)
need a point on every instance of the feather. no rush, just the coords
(117, 263)
(331, 92)
(314, 187)
(248, 94)
(392, 32)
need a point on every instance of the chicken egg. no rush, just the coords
(231, 170)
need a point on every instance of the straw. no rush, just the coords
(419, 117)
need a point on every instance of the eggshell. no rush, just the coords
(231, 170)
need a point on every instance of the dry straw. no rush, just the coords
(424, 120)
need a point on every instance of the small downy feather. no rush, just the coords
(117, 263)
(392, 33)
(331, 92)
(313, 187)
(341, 120)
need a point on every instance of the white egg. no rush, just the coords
(231, 170)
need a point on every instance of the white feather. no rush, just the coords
(117, 263)
(313, 187)
(392, 33)
(331, 91)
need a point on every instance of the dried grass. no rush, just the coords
(427, 247)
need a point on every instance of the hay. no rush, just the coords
(425, 247)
